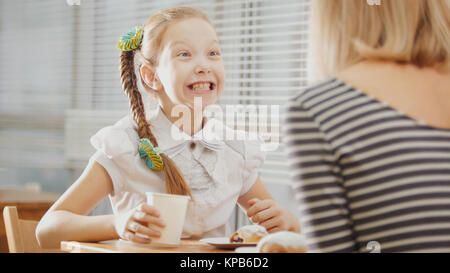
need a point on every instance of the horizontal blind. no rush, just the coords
(264, 46)
(36, 68)
(99, 100)
(36, 57)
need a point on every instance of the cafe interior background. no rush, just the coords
(60, 82)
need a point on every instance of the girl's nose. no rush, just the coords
(202, 69)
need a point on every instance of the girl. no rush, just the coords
(370, 145)
(179, 60)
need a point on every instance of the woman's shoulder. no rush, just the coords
(315, 89)
(316, 94)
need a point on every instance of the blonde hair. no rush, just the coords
(345, 32)
(154, 30)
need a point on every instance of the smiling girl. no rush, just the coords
(179, 61)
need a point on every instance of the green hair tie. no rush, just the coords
(151, 154)
(131, 40)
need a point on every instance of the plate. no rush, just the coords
(246, 249)
(224, 242)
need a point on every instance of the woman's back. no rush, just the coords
(422, 94)
(364, 171)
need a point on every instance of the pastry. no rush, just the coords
(248, 234)
(282, 242)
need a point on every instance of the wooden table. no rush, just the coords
(119, 246)
(31, 205)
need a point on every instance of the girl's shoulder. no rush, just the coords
(241, 142)
(117, 139)
(228, 135)
(126, 126)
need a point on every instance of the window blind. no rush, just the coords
(35, 81)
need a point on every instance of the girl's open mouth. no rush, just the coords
(202, 87)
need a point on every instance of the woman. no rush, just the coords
(369, 146)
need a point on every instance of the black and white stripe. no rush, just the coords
(363, 171)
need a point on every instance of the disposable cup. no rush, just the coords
(172, 210)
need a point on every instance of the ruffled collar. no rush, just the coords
(172, 140)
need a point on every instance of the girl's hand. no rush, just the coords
(137, 220)
(273, 217)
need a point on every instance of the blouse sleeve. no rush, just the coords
(114, 151)
(253, 159)
(317, 183)
(113, 142)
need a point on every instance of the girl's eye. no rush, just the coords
(183, 54)
(214, 53)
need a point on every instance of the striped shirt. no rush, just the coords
(366, 176)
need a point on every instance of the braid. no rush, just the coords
(175, 182)
(129, 85)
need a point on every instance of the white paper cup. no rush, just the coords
(172, 210)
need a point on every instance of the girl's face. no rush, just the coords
(190, 65)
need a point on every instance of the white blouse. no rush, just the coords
(217, 170)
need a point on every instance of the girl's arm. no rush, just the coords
(67, 219)
(263, 210)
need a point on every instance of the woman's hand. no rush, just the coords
(137, 220)
(273, 217)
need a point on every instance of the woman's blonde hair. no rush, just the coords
(345, 32)
(154, 30)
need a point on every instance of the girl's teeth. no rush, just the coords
(201, 86)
